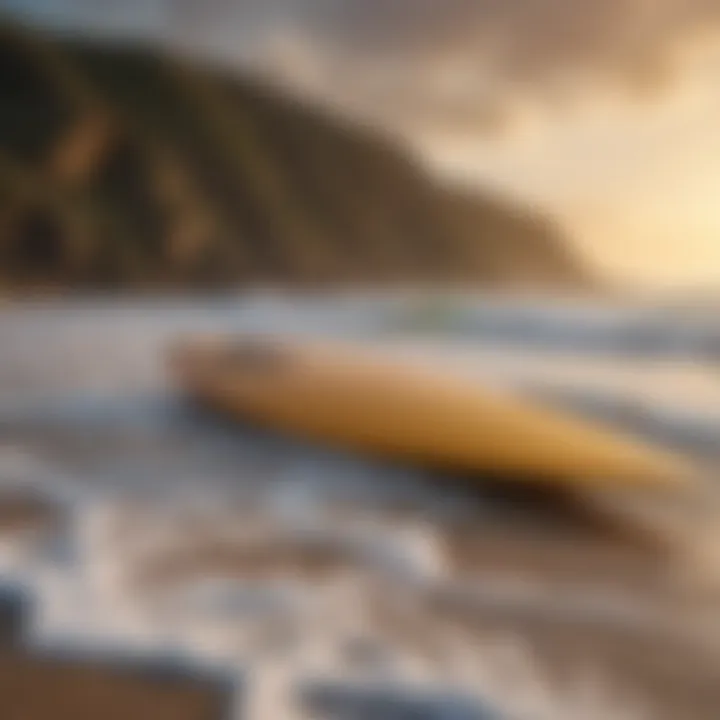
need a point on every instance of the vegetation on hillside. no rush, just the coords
(124, 166)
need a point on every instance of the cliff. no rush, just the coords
(122, 166)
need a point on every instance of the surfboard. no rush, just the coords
(351, 397)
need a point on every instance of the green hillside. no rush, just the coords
(121, 166)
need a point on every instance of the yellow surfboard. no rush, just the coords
(350, 397)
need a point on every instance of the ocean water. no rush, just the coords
(332, 585)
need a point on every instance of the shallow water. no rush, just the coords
(335, 583)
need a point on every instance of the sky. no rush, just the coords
(605, 112)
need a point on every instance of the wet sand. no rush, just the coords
(34, 686)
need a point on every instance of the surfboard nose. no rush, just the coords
(193, 358)
(190, 358)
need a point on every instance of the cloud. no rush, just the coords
(460, 62)
(465, 61)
